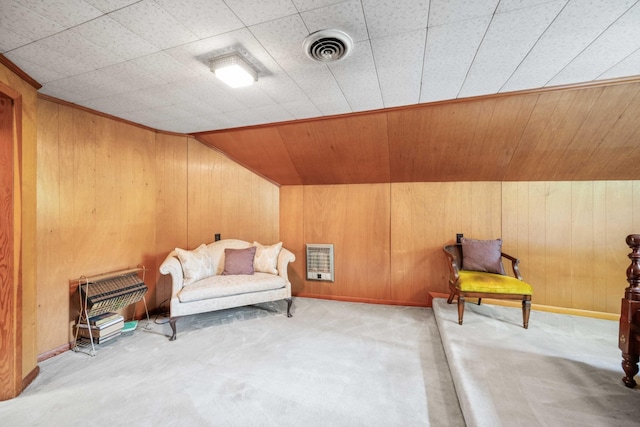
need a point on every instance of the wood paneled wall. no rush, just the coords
(568, 235)
(571, 238)
(112, 195)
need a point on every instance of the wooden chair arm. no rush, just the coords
(454, 268)
(515, 262)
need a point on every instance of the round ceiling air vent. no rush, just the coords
(327, 45)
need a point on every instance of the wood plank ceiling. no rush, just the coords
(567, 134)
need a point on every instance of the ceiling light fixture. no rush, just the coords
(233, 70)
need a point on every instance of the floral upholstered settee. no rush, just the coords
(225, 274)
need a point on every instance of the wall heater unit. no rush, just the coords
(320, 262)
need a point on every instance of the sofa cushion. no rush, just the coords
(196, 264)
(266, 259)
(239, 261)
(482, 255)
(222, 286)
(216, 251)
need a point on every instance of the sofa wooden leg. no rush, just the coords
(526, 310)
(289, 302)
(460, 309)
(172, 322)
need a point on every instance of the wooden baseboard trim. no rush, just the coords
(540, 307)
(54, 352)
(30, 377)
(361, 300)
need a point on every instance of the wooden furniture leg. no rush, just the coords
(289, 302)
(460, 309)
(629, 329)
(172, 322)
(526, 311)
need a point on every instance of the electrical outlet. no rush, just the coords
(217, 237)
(459, 237)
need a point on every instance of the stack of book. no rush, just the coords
(103, 327)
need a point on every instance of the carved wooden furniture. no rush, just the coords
(474, 284)
(629, 331)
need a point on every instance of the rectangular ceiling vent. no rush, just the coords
(320, 262)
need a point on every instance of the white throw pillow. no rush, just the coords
(196, 264)
(266, 259)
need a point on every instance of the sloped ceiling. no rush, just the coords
(146, 61)
(435, 90)
(589, 133)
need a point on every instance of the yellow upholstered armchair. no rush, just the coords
(476, 271)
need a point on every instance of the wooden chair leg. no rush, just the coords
(450, 299)
(460, 309)
(479, 301)
(526, 310)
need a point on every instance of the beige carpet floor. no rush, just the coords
(332, 364)
(562, 371)
(341, 364)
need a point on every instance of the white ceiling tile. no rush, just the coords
(40, 54)
(274, 113)
(303, 109)
(102, 83)
(620, 40)
(447, 11)
(357, 78)
(110, 5)
(204, 18)
(281, 88)
(282, 37)
(317, 82)
(159, 96)
(399, 60)
(117, 105)
(112, 36)
(512, 5)
(37, 72)
(198, 107)
(25, 23)
(346, 16)
(76, 89)
(390, 17)
(66, 13)
(208, 90)
(252, 12)
(187, 125)
(304, 5)
(154, 24)
(10, 40)
(572, 31)
(243, 117)
(64, 89)
(132, 76)
(251, 96)
(164, 67)
(449, 52)
(71, 45)
(509, 38)
(630, 66)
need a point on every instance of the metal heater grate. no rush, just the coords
(320, 262)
